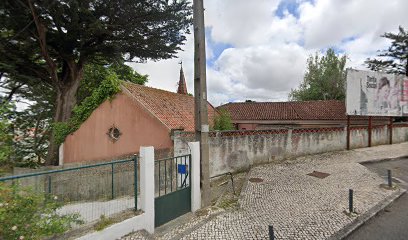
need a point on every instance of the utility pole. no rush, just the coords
(200, 95)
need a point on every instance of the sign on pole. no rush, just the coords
(376, 94)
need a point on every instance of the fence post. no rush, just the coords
(351, 201)
(390, 129)
(147, 186)
(348, 132)
(271, 233)
(370, 129)
(389, 178)
(135, 179)
(195, 176)
(113, 194)
(289, 142)
(49, 184)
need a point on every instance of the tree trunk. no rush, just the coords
(65, 102)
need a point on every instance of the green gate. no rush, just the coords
(173, 190)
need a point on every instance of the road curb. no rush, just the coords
(383, 159)
(363, 218)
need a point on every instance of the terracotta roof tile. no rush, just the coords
(172, 109)
(306, 110)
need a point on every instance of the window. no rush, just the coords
(114, 133)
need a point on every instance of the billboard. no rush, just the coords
(376, 94)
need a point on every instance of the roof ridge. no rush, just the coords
(158, 89)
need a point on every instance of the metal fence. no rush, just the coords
(171, 174)
(108, 189)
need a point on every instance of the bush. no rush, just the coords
(223, 121)
(6, 137)
(25, 214)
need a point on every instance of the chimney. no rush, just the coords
(182, 86)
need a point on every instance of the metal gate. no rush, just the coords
(173, 190)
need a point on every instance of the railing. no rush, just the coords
(107, 189)
(172, 174)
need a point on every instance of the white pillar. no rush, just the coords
(195, 176)
(61, 154)
(147, 186)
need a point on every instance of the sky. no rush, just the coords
(257, 50)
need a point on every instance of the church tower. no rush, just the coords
(182, 86)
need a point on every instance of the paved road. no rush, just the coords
(392, 223)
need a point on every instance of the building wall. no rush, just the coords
(237, 150)
(246, 126)
(138, 127)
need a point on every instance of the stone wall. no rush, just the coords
(238, 150)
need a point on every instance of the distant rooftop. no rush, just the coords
(302, 110)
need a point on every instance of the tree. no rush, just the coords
(395, 58)
(50, 41)
(325, 78)
(223, 121)
(32, 124)
(5, 135)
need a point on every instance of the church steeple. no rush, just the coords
(182, 86)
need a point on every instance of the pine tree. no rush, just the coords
(395, 58)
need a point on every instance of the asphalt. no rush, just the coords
(392, 222)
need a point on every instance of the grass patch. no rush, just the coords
(103, 223)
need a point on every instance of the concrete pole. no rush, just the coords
(200, 94)
(195, 176)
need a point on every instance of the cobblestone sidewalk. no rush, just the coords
(300, 206)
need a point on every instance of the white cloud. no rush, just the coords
(267, 52)
(328, 22)
(240, 22)
(256, 73)
(164, 74)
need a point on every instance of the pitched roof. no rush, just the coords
(172, 109)
(306, 110)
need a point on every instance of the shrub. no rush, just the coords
(25, 214)
(223, 121)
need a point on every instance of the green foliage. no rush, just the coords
(103, 223)
(6, 137)
(94, 74)
(48, 43)
(223, 121)
(106, 90)
(395, 58)
(325, 79)
(25, 214)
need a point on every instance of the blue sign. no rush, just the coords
(182, 169)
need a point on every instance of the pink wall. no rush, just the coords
(138, 127)
(247, 126)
